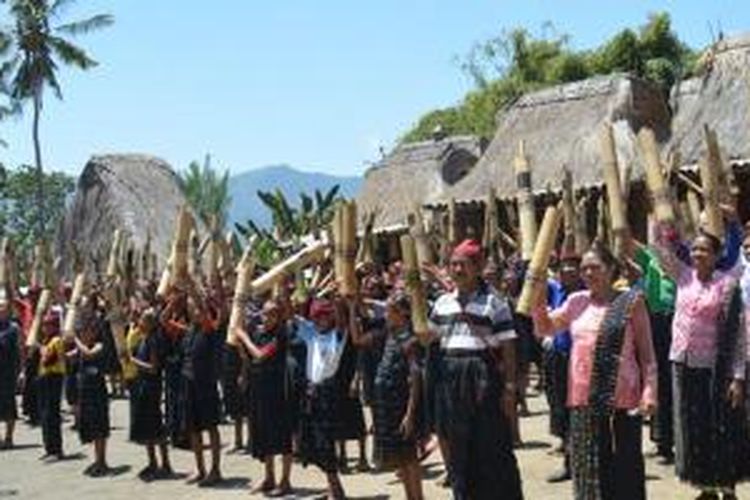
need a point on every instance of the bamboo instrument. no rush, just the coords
(682, 210)
(4, 244)
(337, 234)
(365, 251)
(44, 302)
(654, 176)
(37, 269)
(727, 183)
(349, 284)
(452, 224)
(71, 314)
(414, 286)
(525, 197)
(617, 206)
(242, 289)
(165, 280)
(508, 239)
(710, 181)
(424, 252)
(309, 255)
(536, 276)
(691, 185)
(490, 233)
(114, 253)
(180, 246)
(694, 208)
(569, 213)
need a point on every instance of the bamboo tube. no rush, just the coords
(694, 207)
(365, 252)
(45, 300)
(165, 280)
(727, 183)
(349, 284)
(71, 314)
(490, 233)
(242, 289)
(424, 252)
(508, 239)
(4, 244)
(710, 182)
(693, 186)
(537, 272)
(618, 214)
(525, 197)
(452, 224)
(337, 233)
(114, 253)
(180, 246)
(569, 212)
(37, 269)
(307, 256)
(682, 210)
(654, 176)
(414, 286)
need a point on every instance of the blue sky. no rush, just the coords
(318, 84)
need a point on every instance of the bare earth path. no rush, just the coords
(23, 476)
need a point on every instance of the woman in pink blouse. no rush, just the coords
(708, 356)
(612, 380)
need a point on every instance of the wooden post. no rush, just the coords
(654, 176)
(617, 207)
(525, 197)
(414, 286)
(536, 276)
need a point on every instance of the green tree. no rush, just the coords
(19, 212)
(35, 49)
(207, 191)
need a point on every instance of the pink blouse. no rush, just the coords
(695, 324)
(637, 375)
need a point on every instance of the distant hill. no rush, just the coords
(243, 188)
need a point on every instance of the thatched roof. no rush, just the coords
(561, 126)
(135, 193)
(719, 98)
(416, 173)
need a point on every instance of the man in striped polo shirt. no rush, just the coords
(474, 328)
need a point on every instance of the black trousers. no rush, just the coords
(50, 395)
(662, 426)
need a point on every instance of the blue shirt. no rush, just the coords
(556, 296)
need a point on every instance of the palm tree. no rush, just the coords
(207, 192)
(38, 50)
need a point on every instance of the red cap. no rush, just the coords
(320, 309)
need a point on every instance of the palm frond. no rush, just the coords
(85, 26)
(70, 54)
(59, 6)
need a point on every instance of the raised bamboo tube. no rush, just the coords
(242, 290)
(414, 287)
(536, 276)
(727, 183)
(165, 279)
(569, 212)
(618, 214)
(4, 244)
(682, 210)
(654, 176)
(424, 251)
(710, 181)
(490, 233)
(180, 246)
(348, 283)
(694, 206)
(69, 325)
(44, 302)
(365, 252)
(452, 235)
(114, 254)
(193, 259)
(37, 267)
(307, 256)
(525, 198)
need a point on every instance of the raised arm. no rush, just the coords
(644, 346)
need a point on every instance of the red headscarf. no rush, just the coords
(320, 309)
(468, 249)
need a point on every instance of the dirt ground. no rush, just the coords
(23, 475)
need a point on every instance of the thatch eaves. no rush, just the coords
(415, 174)
(720, 98)
(560, 126)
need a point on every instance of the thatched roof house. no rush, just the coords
(720, 98)
(415, 174)
(561, 125)
(135, 193)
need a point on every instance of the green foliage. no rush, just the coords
(18, 209)
(290, 223)
(505, 67)
(207, 191)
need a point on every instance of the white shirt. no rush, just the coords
(324, 351)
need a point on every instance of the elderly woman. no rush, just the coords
(612, 379)
(708, 356)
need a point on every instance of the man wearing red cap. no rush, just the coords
(472, 324)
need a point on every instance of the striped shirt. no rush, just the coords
(483, 320)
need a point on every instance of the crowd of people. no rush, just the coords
(656, 333)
